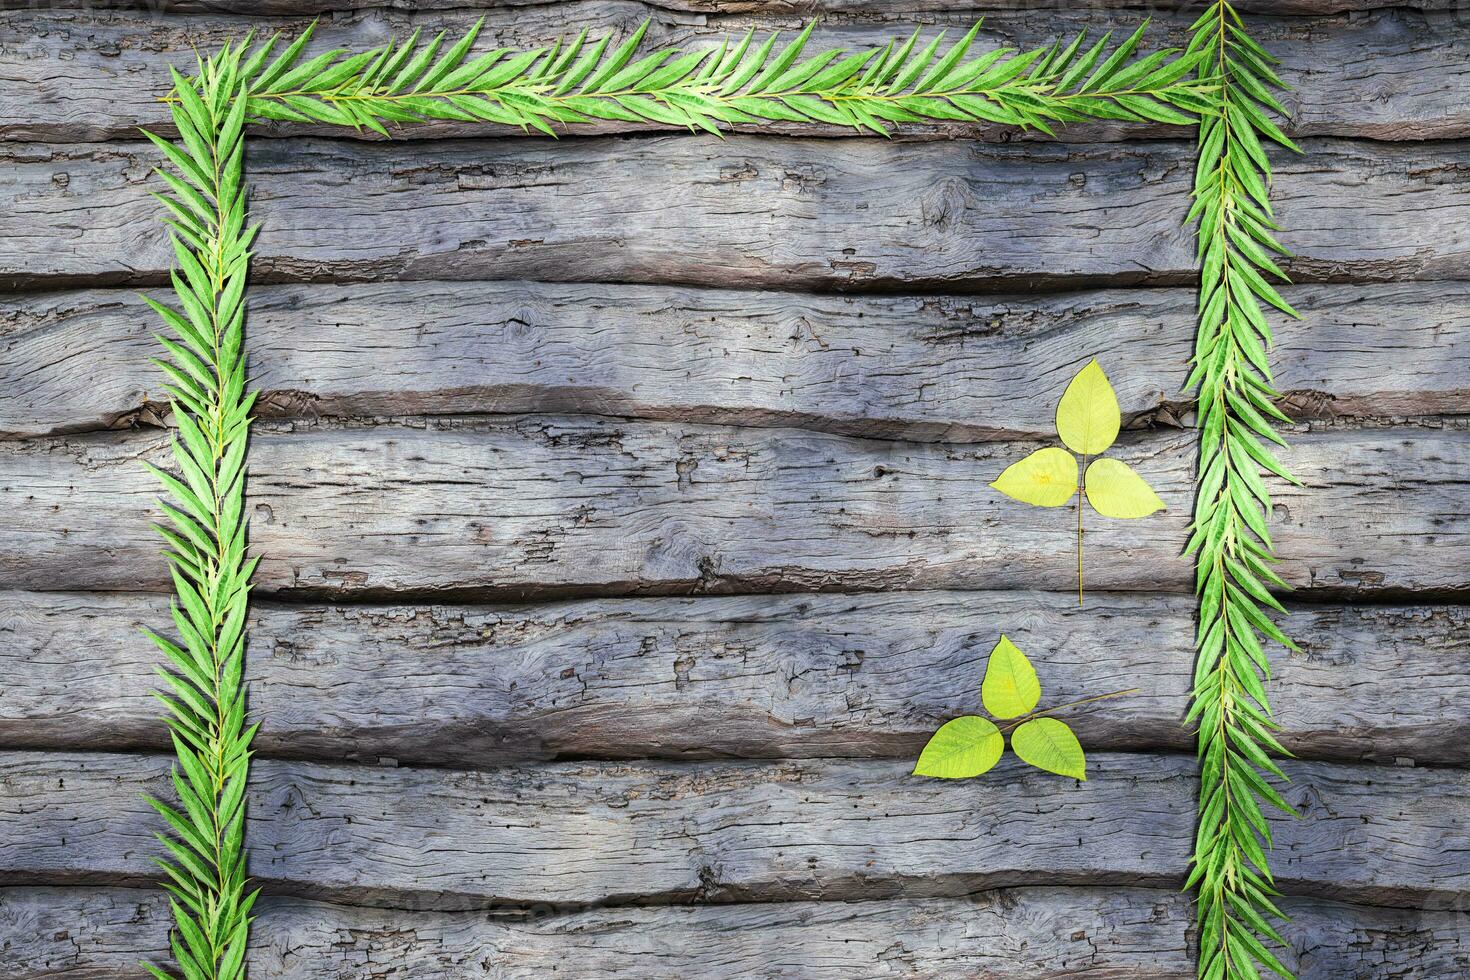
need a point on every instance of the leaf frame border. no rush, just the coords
(205, 689)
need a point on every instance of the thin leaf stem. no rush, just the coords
(1070, 704)
(1081, 493)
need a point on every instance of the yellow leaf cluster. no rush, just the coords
(971, 746)
(1088, 420)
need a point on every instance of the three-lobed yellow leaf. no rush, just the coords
(971, 746)
(1088, 417)
(1114, 490)
(1046, 478)
(1088, 420)
(967, 746)
(1010, 688)
(1049, 744)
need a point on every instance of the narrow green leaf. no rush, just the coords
(619, 58)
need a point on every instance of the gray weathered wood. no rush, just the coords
(563, 506)
(913, 367)
(746, 211)
(880, 7)
(577, 834)
(752, 676)
(66, 934)
(1019, 933)
(543, 506)
(95, 75)
(738, 11)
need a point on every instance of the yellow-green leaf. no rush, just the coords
(1010, 688)
(1114, 490)
(1046, 478)
(1088, 416)
(1049, 744)
(967, 746)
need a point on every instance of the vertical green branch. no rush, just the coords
(204, 525)
(1230, 539)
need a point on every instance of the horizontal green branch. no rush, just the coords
(725, 84)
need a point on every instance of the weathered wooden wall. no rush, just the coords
(624, 510)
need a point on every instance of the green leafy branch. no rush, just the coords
(205, 524)
(1230, 540)
(717, 86)
(970, 746)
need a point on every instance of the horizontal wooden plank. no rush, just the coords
(548, 506)
(745, 676)
(866, 8)
(95, 74)
(1018, 933)
(64, 934)
(745, 211)
(737, 9)
(911, 367)
(883, 8)
(581, 834)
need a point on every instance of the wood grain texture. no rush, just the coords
(610, 833)
(1018, 934)
(94, 75)
(735, 10)
(742, 676)
(881, 7)
(548, 506)
(682, 501)
(926, 368)
(746, 211)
